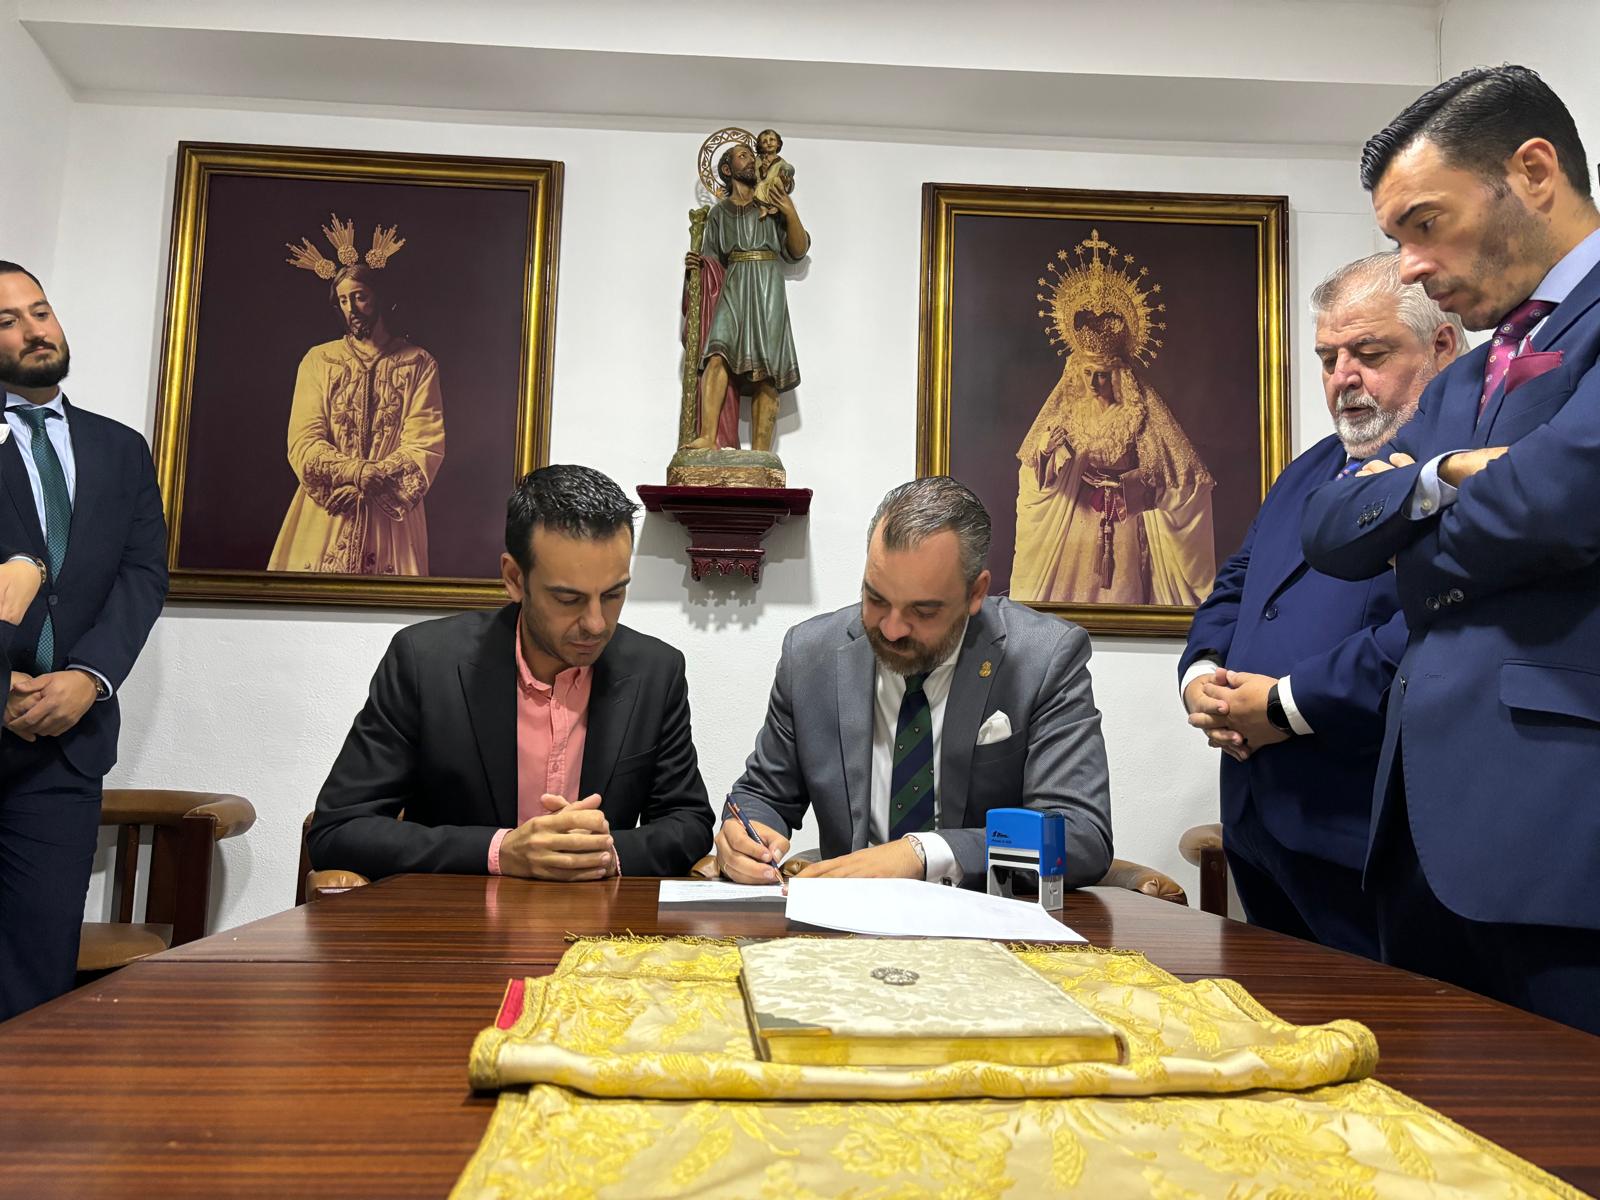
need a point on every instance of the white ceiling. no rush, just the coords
(536, 59)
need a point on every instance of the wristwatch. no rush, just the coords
(101, 692)
(922, 855)
(1278, 719)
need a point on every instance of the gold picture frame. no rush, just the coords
(477, 243)
(1002, 267)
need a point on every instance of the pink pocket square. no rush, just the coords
(1530, 366)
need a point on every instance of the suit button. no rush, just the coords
(1455, 596)
(1272, 612)
(1432, 603)
(53, 600)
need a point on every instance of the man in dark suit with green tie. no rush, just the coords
(78, 497)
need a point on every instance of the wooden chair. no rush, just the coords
(185, 826)
(1123, 874)
(1202, 846)
(314, 885)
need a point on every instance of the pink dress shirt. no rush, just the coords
(552, 722)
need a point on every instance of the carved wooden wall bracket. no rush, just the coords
(726, 524)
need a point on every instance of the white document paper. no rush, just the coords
(912, 908)
(717, 891)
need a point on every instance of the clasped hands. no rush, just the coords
(570, 843)
(38, 705)
(368, 479)
(47, 705)
(1230, 707)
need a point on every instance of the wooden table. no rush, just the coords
(323, 1051)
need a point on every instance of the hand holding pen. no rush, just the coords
(749, 852)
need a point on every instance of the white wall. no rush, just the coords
(1554, 37)
(33, 146)
(255, 700)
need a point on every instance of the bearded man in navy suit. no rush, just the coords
(1285, 667)
(1485, 840)
(78, 498)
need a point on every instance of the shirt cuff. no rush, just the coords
(1431, 495)
(494, 851)
(104, 682)
(942, 864)
(1200, 666)
(1286, 698)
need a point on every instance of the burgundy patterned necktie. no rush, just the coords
(1507, 339)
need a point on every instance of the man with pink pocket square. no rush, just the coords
(1485, 837)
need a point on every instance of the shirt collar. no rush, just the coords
(54, 404)
(1570, 271)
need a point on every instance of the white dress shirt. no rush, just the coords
(889, 689)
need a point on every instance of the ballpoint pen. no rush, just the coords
(733, 807)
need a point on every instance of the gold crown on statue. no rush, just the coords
(1100, 311)
(342, 237)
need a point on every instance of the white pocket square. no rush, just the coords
(5, 432)
(996, 729)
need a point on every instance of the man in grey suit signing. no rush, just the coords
(903, 721)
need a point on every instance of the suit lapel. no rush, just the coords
(489, 683)
(15, 477)
(89, 451)
(1457, 424)
(984, 644)
(855, 698)
(1278, 544)
(612, 697)
(1581, 299)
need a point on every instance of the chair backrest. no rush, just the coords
(184, 827)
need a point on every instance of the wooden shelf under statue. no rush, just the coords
(726, 524)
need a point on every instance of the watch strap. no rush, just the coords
(1275, 714)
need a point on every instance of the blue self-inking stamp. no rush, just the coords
(1029, 848)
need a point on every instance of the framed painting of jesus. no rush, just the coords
(355, 371)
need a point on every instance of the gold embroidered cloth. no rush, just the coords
(644, 1082)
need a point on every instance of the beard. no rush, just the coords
(1512, 240)
(360, 325)
(907, 656)
(31, 370)
(1364, 432)
(747, 176)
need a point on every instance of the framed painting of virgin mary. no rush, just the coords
(1109, 372)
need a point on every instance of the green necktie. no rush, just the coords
(911, 801)
(57, 515)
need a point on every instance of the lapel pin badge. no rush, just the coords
(986, 670)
